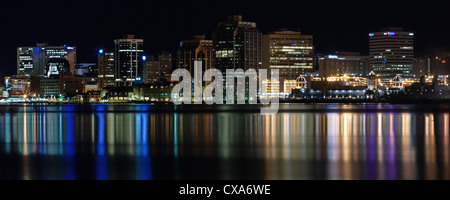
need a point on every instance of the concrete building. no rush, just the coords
(237, 44)
(165, 59)
(153, 70)
(431, 66)
(19, 85)
(350, 63)
(105, 63)
(58, 87)
(86, 70)
(439, 66)
(290, 52)
(128, 57)
(422, 67)
(197, 49)
(38, 60)
(392, 52)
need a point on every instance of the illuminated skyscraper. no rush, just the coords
(105, 65)
(36, 60)
(290, 52)
(198, 49)
(237, 45)
(392, 52)
(129, 65)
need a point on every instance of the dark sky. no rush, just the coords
(92, 25)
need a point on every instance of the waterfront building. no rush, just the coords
(165, 60)
(129, 60)
(143, 92)
(350, 63)
(439, 66)
(106, 74)
(153, 70)
(291, 52)
(397, 83)
(372, 82)
(237, 44)
(19, 85)
(392, 52)
(197, 49)
(422, 66)
(60, 87)
(38, 60)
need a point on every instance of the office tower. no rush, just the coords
(197, 49)
(290, 52)
(165, 59)
(237, 45)
(349, 63)
(153, 70)
(25, 60)
(439, 66)
(106, 75)
(129, 64)
(422, 67)
(392, 52)
(35, 60)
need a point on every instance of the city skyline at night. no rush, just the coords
(333, 25)
(235, 99)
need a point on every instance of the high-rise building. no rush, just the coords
(153, 70)
(129, 64)
(290, 52)
(106, 77)
(198, 49)
(422, 67)
(439, 66)
(341, 63)
(237, 45)
(165, 59)
(392, 52)
(40, 59)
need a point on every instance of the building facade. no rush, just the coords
(439, 66)
(422, 66)
(349, 63)
(128, 57)
(38, 60)
(153, 70)
(106, 74)
(392, 52)
(237, 44)
(197, 49)
(165, 59)
(290, 52)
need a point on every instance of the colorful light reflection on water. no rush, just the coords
(301, 142)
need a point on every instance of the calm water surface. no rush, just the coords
(315, 141)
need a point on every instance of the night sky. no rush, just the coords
(92, 25)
